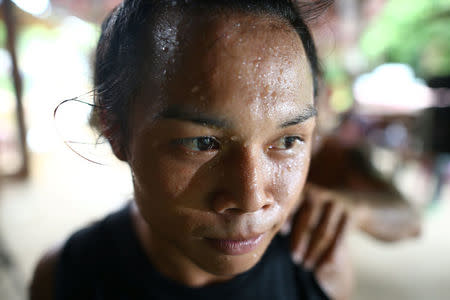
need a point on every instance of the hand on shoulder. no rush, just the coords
(317, 240)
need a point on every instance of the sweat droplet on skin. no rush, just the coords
(289, 167)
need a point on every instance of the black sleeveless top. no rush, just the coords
(106, 261)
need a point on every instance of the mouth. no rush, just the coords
(237, 246)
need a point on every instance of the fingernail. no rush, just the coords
(297, 258)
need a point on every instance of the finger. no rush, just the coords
(303, 224)
(323, 234)
(300, 223)
(286, 227)
(330, 253)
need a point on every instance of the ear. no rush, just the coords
(115, 140)
(114, 136)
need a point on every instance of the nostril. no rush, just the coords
(225, 203)
(267, 206)
(233, 211)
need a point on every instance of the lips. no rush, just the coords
(236, 246)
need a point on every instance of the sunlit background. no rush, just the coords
(387, 72)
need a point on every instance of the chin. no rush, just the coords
(232, 266)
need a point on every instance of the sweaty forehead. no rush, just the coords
(228, 29)
(254, 50)
(231, 62)
(239, 36)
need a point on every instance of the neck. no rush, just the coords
(168, 259)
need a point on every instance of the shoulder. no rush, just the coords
(93, 241)
(76, 249)
(82, 253)
(41, 287)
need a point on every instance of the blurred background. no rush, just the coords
(384, 127)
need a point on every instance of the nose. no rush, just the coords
(245, 185)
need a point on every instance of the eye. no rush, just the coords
(204, 143)
(287, 143)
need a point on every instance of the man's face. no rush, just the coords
(220, 161)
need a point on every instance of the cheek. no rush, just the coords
(288, 178)
(174, 179)
(162, 178)
(161, 187)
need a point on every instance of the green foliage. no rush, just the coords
(2, 35)
(415, 32)
(5, 80)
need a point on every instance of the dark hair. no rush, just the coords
(124, 43)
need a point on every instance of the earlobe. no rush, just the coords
(117, 149)
(113, 135)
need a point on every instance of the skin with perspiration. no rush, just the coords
(250, 83)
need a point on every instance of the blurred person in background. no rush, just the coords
(341, 164)
(433, 129)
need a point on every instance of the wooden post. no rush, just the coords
(11, 24)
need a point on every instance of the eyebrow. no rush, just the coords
(309, 112)
(178, 113)
(194, 117)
